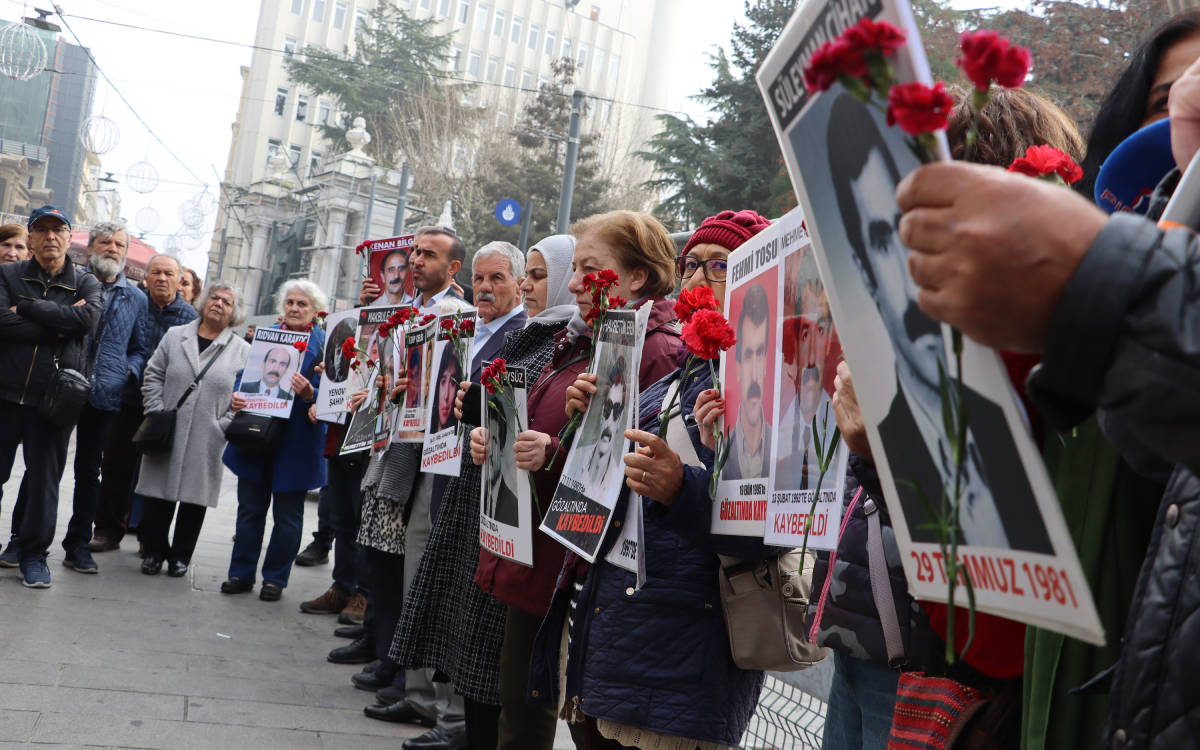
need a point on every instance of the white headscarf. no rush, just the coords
(558, 250)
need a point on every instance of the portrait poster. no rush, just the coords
(809, 354)
(594, 472)
(415, 363)
(338, 381)
(441, 452)
(360, 434)
(845, 163)
(266, 382)
(386, 412)
(505, 500)
(748, 373)
(388, 267)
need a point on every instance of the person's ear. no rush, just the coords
(637, 280)
(455, 266)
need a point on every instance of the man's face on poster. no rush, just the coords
(918, 339)
(752, 368)
(812, 347)
(276, 364)
(612, 418)
(395, 269)
(495, 457)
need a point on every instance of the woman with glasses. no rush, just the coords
(674, 685)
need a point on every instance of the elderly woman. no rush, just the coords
(14, 243)
(674, 685)
(280, 481)
(638, 249)
(189, 476)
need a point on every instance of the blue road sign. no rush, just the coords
(508, 212)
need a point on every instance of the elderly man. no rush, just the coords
(48, 309)
(113, 356)
(497, 269)
(166, 309)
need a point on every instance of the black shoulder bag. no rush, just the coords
(66, 393)
(156, 434)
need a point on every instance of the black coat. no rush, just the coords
(46, 325)
(1125, 339)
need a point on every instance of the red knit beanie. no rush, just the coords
(729, 229)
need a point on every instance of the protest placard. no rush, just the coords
(594, 472)
(361, 432)
(845, 163)
(415, 363)
(266, 382)
(388, 267)
(338, 381)
(805, 371)
(441, 452)
(506, 503)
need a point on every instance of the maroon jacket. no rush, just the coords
(531, 589)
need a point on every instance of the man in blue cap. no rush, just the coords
(48, 307)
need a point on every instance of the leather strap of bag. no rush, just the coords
(881, 586)
(196, 383)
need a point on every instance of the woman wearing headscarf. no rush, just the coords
(448, 623)
(638, 249)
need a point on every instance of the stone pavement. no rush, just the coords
(124, 660)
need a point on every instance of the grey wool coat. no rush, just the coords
(191, 473)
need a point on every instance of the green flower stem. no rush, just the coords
(825, 454)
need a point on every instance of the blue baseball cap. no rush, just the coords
(47, 210)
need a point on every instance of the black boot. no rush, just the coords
(360, 651)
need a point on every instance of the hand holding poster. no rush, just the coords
(845, 162)
(388, 261)
(266, 383)
(338, 381)
(360, 434)
(594, 472)
(810, 350)
(506, 502)
(442, 449)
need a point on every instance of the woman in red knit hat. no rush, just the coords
(649, 666)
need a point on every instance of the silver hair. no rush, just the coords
(516, 258)
(106, 229)
(172, 258)
(239, 306)
(311, 290)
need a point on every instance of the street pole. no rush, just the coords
(401, 203)
(221, 252)
(362, 261)
(568, 186)
(525, 220)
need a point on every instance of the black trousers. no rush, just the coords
(91, 434)
(119, 472)
(385, 572)
(483, 722)
(44, 446)
(156, 520)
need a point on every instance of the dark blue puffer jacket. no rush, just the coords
(117, 355)
(657, 657)
(150, 329)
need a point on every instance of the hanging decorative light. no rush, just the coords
(147, 219)
(100, 135)
(22, 52)
(171, 246)
(142, 177)
(191, 216)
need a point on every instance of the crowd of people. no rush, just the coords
(1095, 317)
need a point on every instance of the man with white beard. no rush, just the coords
(114, 357)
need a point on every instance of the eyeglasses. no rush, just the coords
(714, 268)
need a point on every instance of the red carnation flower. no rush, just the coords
(874, 36)
(594, 313)
(428, 317)
(692, 301)
(589, 280)
(919, 109)
(348, 347)
(466, 325)
(708, 334)
(1040, 161)
(834, 58)
(987, 57)
(447, 324)
(322, 315)
(607, 278)
(501, 365)
(300, 345)
(383, 329)
(617, 302)
(370, 362)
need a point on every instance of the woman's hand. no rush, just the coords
(302, 387)
(463, 387)
(846, 412)
(312, 414)
(356, 400)
(239, 403)
(479, 445)
(710, 407)
(653, 470)
(580, 393)
(398, 390)
(530, 450)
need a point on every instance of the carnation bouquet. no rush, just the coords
(495, 379)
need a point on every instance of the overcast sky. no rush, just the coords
(187, 92)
